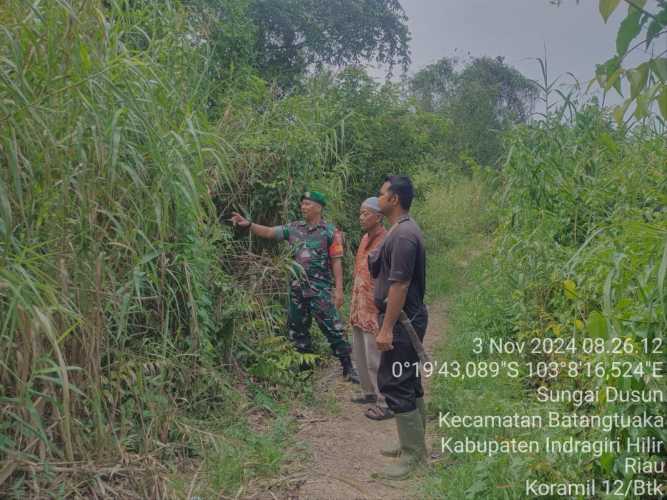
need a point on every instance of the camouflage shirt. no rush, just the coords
(313, 248)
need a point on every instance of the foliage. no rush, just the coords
(287, 37)
(644, 26)
(582, 244)
(433, 85)
(295, 34)
(111, 289)
(483, 99)
(380, 134)
(128, 310)
(580, 251)
(120, 290)
(230, 32)
(455, 206)
(135, 323)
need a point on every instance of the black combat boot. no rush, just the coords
(349, 372)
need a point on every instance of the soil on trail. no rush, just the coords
(344, 445)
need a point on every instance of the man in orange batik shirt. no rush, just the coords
(364, 314)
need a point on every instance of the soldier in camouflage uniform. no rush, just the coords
(317, 248)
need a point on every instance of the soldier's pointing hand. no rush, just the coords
(238, 220)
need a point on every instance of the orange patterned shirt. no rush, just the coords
(363, 313)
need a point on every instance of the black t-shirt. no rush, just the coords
(401, 257)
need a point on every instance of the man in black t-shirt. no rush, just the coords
(399, 269)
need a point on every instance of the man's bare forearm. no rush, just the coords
(337, 266)
(398, 292)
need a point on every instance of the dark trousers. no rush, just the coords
(302, 308)
(398, 379)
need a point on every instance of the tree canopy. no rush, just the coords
(483, 98)
(290, 36)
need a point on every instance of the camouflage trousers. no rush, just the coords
(302, 308)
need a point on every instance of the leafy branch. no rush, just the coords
(648, 80)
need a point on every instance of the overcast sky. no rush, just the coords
(575, 36)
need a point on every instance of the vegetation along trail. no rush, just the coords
(143, 337)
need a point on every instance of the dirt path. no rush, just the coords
(344, 445)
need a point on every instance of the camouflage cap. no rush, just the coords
(315, 196)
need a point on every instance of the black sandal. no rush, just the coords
(364, 399)
(379, 413)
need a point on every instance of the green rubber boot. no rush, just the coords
(395, 449)
(413, 446)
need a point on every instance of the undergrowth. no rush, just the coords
(579, 250)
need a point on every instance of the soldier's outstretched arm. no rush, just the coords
(256, 229)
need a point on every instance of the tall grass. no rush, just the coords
(106, 245)
(453, 210)
(579, 250)
(122, 297)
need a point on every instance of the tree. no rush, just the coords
(432, 84)
(227, 26)
(481, 101)
(291, 36)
